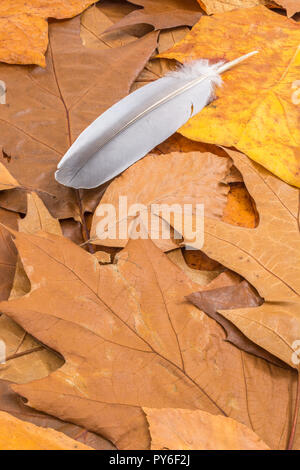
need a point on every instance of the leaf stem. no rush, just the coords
(85, 230)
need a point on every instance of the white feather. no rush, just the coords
(139, 122)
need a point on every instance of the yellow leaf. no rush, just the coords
(20, 435)
(24, 27)
(258, 108)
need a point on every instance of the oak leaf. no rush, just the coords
(177, 429)
(162, 15)
(20, 435)
(24, 27)
(48, 108)
(268, 257)
(255, 110)
(130, 340)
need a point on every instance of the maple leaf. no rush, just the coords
(268, 257)
(19, 435)
(176, 178)
(48, 108)
(130, 340)
(24, 27)
(162, 15)
(11, 403)
(177, 429)
(261, 121)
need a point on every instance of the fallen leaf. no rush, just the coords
(48, 108)
(268, 257)
(13, 404)
(7, 181)
(19, 435)
(8, 254)
(198, 276)
(177, 429)
(176, 178)
(240, 209)
(26, 359)
(232, 297)
(24, 29)
(292, 6)
(220, 6)
(261, 121)
(162, 15)
(130, 340)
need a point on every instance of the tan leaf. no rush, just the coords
(220, 6)
(130, 340)
(8, 255)
(19, 435)
(267, 256)
(162, 15)
(11, 403)
(7, 181)
(177, 429)
(291, 6)
(48, 108)
(176, 178)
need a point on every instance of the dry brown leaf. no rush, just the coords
(198, 276)
(176, 178)
(13, 404)
(162, 15)
(130, 340)
(240, 208)
(7, 181)
(177, 429)
(24, 27)
(47, 109)
(8, 255)
(20, 435)
(268, 257)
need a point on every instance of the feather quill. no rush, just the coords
(139, 122)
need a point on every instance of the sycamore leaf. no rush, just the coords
(24, 27)
(177, 429)
(255, 111)
(130, 340)
(291, 6)
(162, 15)
(267, 256)
(176, 178)
(48, 108)
(11, 403)
(220, 6)
(19, 435)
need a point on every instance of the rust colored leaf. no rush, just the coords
(130, 340)
(19, 435)
(176, 178)
(24, 27)
(240, 209)
(261, 121)
(13, 404)
(48, 108)
(162, 15)
(177, 429)
(268, 257)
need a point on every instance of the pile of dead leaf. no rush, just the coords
(138, 344)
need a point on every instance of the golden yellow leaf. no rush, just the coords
(179, 429)
(20, 435)
(24, 27)
(257, 109)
